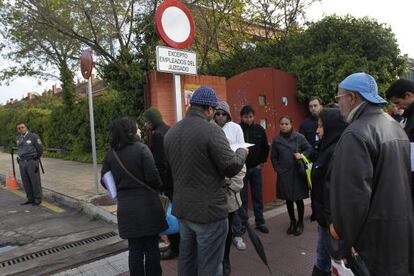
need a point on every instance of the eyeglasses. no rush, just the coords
(340, 96)
(221, 114)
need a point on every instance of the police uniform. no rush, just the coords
(30, 149)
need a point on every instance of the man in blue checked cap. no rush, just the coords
(371, 209)
(200, 158)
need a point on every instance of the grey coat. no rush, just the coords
(291, 183)
(370, 199)
(200, 158)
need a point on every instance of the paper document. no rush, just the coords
(109, 183)
(236, 146)
(412, 156)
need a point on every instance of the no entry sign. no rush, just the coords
(175, 24)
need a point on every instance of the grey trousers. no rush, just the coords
(202, 248)
(29, 171)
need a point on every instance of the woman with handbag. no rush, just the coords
(331, 125)
(140, 214)
(286, 155)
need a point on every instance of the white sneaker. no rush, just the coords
(239, 243)
(163, 245)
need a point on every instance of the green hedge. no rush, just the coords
(65, 128)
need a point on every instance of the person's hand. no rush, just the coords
(138, 133)
(333, 232)
(297, 155)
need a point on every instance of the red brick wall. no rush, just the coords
(160, 91)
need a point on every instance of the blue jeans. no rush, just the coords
(323, 260)
(202, 248)
(236, 225)
(254, 176)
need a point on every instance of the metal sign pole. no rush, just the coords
(92, 123)
(178, 104)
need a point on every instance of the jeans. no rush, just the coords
(323, 260)
(236, 225)
(202, 248)
(254, 176)
(144, 248)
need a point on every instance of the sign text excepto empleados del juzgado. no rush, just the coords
(175, 61)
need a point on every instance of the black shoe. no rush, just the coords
(262, 228)
(292, 227)
(299, 228)
(36, 203)
(27, 202)
(226, 267)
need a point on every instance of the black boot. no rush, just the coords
(292, 227)
(226, 267)
(299, 228)
(317, 272)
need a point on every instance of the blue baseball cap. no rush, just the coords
(365, 85)
(204, 96)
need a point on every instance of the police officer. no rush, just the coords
(30, 149)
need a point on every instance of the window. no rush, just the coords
(262, 100)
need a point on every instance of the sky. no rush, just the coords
(396, 13)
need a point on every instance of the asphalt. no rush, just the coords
(71, 183)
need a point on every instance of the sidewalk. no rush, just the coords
(71, 183)
(287, 255)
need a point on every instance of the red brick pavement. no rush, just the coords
(287, 254)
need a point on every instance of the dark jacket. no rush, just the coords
(140, 212)
(333, 125)
(409, 124)
(29, 146)
(157, 148)
(255, 134)
(370, 197)
(308, 129)
(409, 129)
(200, 159)
(291, 183)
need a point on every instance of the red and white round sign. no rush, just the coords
(175, 24)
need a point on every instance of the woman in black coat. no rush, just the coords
(331, 125)
(291, 181)
(140, 214)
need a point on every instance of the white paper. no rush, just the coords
(236, 146)
(340, 269)
(109, 183)
(412, 156)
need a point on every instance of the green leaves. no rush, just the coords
(324, 54)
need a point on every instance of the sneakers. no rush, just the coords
(163, 245)
(239, 243)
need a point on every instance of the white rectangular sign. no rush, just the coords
(170, 60)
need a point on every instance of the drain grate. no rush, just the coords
(56, 249)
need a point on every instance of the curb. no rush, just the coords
(93, 210)
(85, 207)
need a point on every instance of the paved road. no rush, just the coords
(34, 231)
